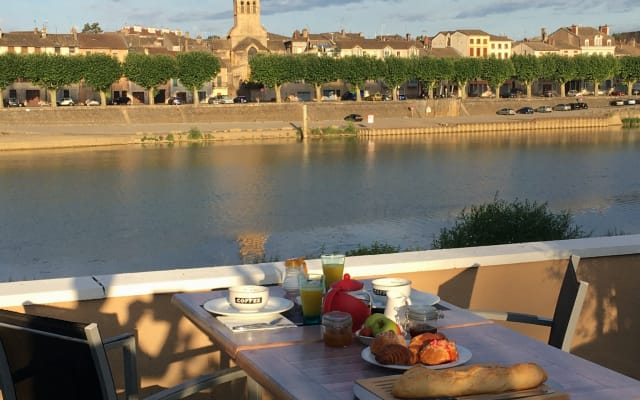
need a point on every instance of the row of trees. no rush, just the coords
(194, 69)
(100, 71)
(275, 70)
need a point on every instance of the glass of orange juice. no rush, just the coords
(332, 268)
(311, 292)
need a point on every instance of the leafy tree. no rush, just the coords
(356, 71)
(53, 72)
(595, 68)
(100, 71)
(195, 68)
(500, 222)
(9, 71)
(150, 71)
(318, 71)
(395, 72)
(527, 70)
(274, 70)
(630, 71)
(93, 28)
(464, 70)
(431, 70)
(496, 71)
(558, 68)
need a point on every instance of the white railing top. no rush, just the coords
(207, 278)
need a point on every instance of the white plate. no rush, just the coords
(417, 298)
(221, 306)
(464, 355)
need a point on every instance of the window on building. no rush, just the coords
(470, 52)
(586, 43)
(471, 41)
(493, 45)
(597, 41)
(478, 52)
(608, 42)
(484, 41)
(484, 52)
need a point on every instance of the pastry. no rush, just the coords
(418, 342)
(438, 352)
(395, 354)
(385, 338)
(419, 381)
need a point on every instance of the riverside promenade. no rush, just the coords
(65, 127)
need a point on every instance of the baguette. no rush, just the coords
(418, 381)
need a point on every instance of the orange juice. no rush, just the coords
(332, 273)
(311, 299)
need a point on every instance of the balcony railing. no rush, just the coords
(523, 277)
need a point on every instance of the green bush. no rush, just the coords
(500, 222)
(630, 122)
(194, 134)
(375, 248)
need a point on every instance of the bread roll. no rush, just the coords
(418, 381)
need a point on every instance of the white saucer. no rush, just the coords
(464, 355)
(416, 298)
(221, 306)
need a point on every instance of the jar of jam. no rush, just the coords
(336, 329)
(421, 319)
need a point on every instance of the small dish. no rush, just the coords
(275, 305)
(366, 340)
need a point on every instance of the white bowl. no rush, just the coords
(248, 298)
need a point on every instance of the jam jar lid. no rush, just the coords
(421, 312)
(336, 319)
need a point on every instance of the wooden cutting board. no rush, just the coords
(380, 389)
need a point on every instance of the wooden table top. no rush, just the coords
(307, 369)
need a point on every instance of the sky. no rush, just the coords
(516, 19)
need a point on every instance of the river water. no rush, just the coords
(125, 209)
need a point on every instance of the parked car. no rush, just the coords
(506, 111)
(630, 102)
(544, 109)
(579, 106)
(12, 102)
(122, 100)
(525, 110)
(617, 102)
(353, 117)
(66, 101)
(174, 101)
(374, 97)
(617, 93)
(240, 99)
(348, 96)
(91, 102)
(562, 107)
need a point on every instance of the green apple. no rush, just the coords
(385, 324)
(371, 320)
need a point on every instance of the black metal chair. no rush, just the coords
(47, 358)
(566, 314)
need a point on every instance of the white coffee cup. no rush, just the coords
(396, 306)
(381, 286)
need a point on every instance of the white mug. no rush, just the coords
(382, 285)
(396, 306)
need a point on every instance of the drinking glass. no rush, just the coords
(311, 292)
(332, 268)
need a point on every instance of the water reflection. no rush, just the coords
(106, 210)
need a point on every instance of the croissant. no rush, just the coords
(395, 354)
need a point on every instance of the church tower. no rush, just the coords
(246, 22)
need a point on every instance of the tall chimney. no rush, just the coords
(604, 29)
(543, 35)
(574, 29)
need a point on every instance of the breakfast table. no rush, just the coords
(294, 363)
